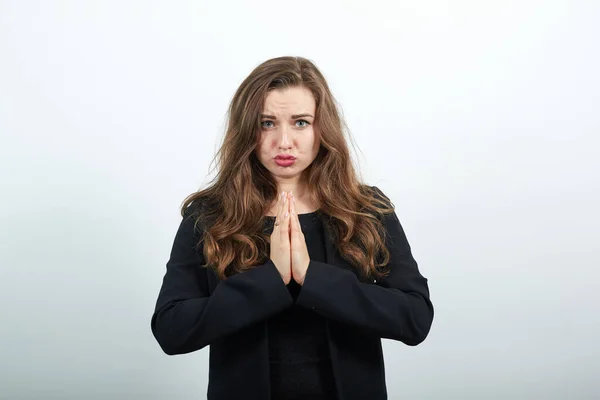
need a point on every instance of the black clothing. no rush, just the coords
(195, 309)
(299, 359)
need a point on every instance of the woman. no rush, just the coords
(286, 265)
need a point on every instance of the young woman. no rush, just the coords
(287, 266)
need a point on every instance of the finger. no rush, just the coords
(292, 203)
(280, 209)
(296, 217)
(294, 223)
(292, 211)
(297, 226)
(285, 221)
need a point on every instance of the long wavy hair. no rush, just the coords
(233, 207)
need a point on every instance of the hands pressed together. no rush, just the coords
(288, 246)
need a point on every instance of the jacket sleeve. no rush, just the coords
(396, 307)
(187, 318)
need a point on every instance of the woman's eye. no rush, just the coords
(270, 124)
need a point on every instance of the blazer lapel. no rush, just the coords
(330, 249)
(332, 255)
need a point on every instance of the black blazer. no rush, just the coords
(195, 309)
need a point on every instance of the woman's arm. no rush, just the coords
(395, 307)
(187, 318)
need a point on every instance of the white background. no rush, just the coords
(480, 119)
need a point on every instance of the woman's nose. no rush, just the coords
(284, 138)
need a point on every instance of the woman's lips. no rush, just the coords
(284, 162)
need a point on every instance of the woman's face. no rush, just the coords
(287, 141)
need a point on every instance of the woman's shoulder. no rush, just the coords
(200, 210)
(375, 192)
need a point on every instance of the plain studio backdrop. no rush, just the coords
(480, 119)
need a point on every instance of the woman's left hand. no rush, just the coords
(300, 257)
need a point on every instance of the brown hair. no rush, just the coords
(234, 205)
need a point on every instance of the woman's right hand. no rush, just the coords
(280, 239)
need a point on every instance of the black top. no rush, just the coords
(195, 309)
(300, 364)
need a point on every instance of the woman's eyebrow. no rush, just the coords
(295, 116)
